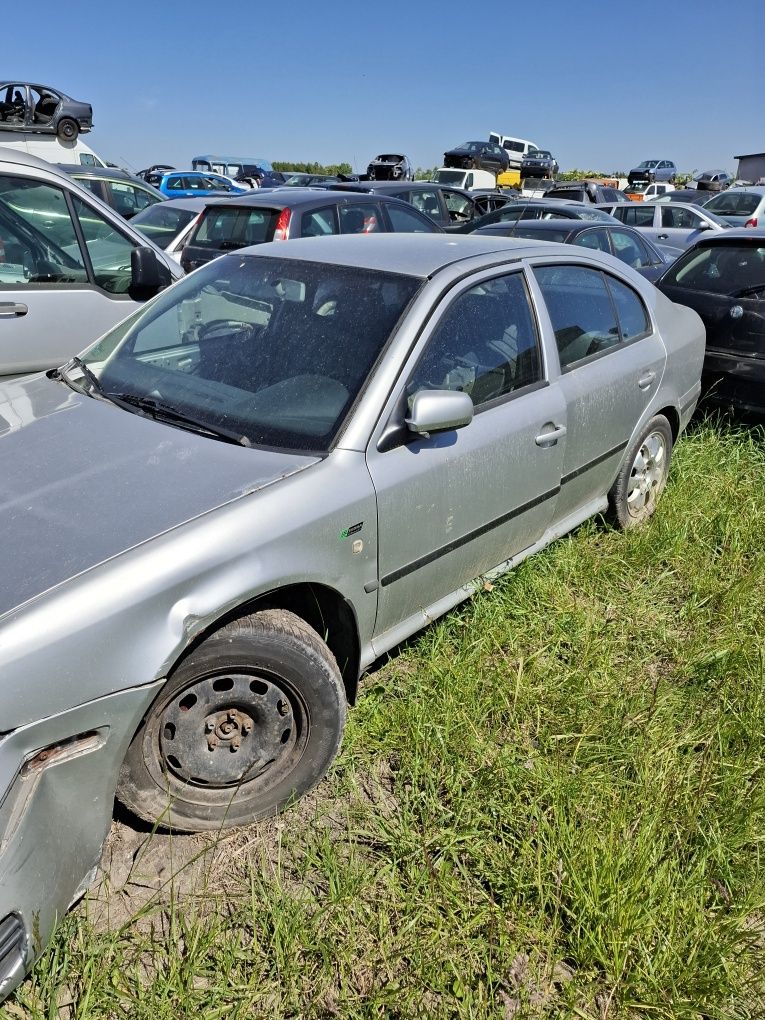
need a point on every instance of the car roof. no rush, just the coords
(752, 189)
(187, 204)
(101, 172)
(290, 198)
(419, 255)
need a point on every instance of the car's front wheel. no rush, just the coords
(643, 474)
(247, 724)
(67, 129)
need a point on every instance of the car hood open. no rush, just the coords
(82, 480)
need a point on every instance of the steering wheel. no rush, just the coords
(234, 328)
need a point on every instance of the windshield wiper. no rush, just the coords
(76, 362)
(164, 412)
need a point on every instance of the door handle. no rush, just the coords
(9, 309)
(663, 237)
(552, 437)
(645, 380)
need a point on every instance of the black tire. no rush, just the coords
(246, 725)
(67, 129)
(643, 475)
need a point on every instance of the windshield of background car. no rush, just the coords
(227, 227)
(275, 350)
(538, 154)
(450, 176)
(647, 164)
(726, 268)
(162, 222)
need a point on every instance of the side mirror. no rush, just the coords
(439, 411)
(704, 226)
(147, 274)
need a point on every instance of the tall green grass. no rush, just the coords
(552, 804)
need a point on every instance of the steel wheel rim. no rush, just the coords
(647, 474)
(231, 730)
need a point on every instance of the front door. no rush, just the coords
(453, 505)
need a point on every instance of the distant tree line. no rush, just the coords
(332, 169)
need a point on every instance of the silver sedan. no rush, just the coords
(679, 224)
(233, 503)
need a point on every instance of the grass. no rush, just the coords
(550, 805)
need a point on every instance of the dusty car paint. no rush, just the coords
(136, 539)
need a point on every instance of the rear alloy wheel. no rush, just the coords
(643, 475)
(247, 724)
(67, 129)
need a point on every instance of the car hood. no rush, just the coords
(82, 481)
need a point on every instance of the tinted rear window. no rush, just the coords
(228, 227)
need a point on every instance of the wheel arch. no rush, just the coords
(323, 608)
(673, 417)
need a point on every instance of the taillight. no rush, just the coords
(282, 225)
(752, 222)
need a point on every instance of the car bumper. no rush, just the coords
(735, 380)
(58, 778)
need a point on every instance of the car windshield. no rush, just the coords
(647, 164)
(450, 176)
(163, 221)
(539, 154)
(726, 268)
(274, 351)
(472, 146)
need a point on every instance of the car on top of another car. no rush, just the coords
(539, 163)
(477, 156)
(653, 170)
(288, 213)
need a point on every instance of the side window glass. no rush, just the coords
(38, 244)
(486, 344)
(580, 310)
(318, 223)
(597, 239)
(426, 202)
(91, 184)
(361, 218)
(125, 199)
(633, 317)
(404, 220)
(109, 251)
(459, 207)
(627, 249)
(175, 184)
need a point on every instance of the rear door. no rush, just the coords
(679, 225)
(611, 363)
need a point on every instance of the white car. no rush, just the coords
(667, 223)
(641, 192)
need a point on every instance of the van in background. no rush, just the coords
(51, 148)
(467, 179)
(516, 147)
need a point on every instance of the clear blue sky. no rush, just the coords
(603, 85)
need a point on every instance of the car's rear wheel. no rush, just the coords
(67, 129)
(247, 724)
(643, 475)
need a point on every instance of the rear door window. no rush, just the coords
(581, 311)
(319, 222)
(407, 220)
(635, 215)
(630, 310)
(360, 218)
(629, 249)
(426, 201)
(596, 238)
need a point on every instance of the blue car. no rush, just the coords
(192, 184)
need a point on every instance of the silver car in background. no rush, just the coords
(233, 503)
(678, 224)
